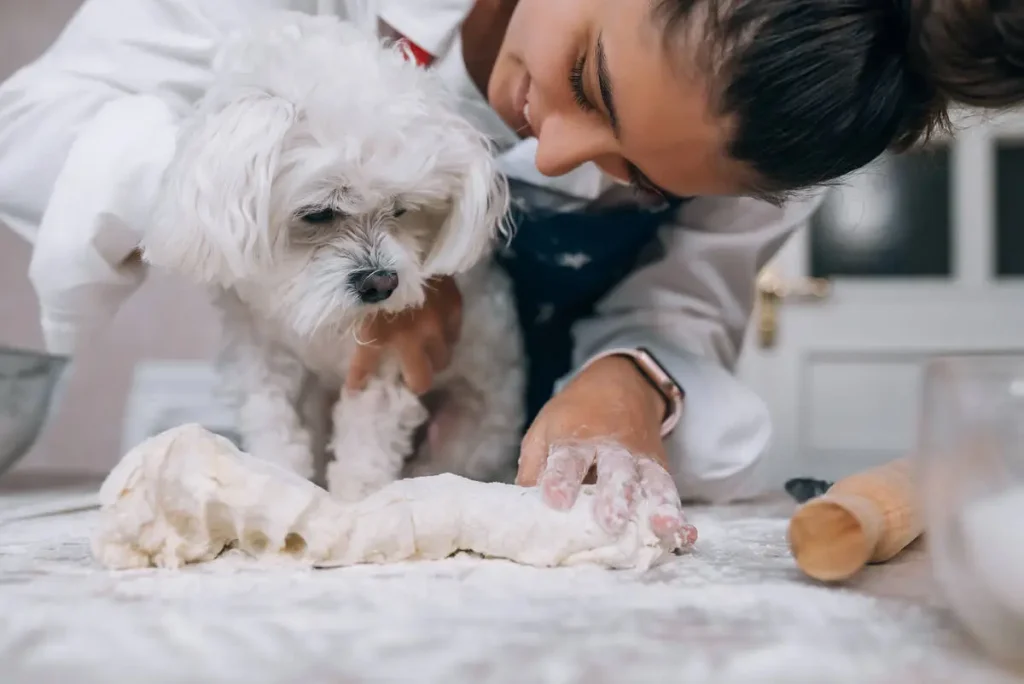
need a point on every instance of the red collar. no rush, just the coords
(420, 56)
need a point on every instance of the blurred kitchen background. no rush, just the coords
(159, 336)
(916, 256)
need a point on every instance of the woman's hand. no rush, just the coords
(422, 338)
(608, 418)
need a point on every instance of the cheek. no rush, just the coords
(543, 22)
(322, 266)
(550, 60)
(543, 37)
(705, 171)
(317, 293)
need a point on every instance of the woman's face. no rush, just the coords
(592, 80)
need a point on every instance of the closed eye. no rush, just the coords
(319, 215)
(641, 185)
(579, 93)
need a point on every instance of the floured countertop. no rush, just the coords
(735, 610)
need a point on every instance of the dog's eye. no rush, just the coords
(319, 216)
(399, 211)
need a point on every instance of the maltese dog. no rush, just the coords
(322, 179)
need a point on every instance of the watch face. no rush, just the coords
(661, 377)
(666, 386)
(656, 374)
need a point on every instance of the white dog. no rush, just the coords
(323, 179)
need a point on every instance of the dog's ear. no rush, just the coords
(215, 222)
(477, 215)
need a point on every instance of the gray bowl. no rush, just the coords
(28, 381)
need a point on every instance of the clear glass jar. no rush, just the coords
(970, 460)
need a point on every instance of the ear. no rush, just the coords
(477, 216)
(214, 221)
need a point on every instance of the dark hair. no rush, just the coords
(816, 89)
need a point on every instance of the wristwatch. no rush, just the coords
(660, 379)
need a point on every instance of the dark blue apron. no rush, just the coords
(562, 263)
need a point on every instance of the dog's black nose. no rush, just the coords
(374, 286)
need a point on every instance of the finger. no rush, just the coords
(618, 488)
(440, 353)
(567, 465)
(533, 456)
(365, 363)
(666, 512)
(417, 371)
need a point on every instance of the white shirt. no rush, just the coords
(87, 130)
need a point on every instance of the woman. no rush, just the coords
(736, 103)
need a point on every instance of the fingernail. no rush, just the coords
(563, 473)
(672, 529)
(557, 493)
(668, 532)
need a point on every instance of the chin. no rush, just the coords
(308, 196)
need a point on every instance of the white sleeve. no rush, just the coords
(86, 132)
(690, 309)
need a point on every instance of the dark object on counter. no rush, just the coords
(804, 489)
(27, 383)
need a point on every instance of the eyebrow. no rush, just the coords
(604, 83)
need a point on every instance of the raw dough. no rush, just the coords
(187, 494)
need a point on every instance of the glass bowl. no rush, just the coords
(970, 460)
(27, 387)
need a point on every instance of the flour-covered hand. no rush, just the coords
(422, 339)
(606, 422)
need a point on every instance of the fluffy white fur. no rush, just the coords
(319, 155)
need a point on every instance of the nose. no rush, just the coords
(567, 142)
(374, 286)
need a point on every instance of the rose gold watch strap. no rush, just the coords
(657, 376)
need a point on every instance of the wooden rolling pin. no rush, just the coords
(864, 518)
